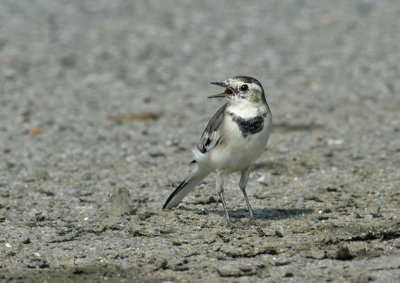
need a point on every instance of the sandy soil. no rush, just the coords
(83, 177)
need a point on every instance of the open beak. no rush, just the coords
(226, 94)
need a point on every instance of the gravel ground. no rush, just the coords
(83, 174)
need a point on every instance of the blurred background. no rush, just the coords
(74, 66)
(99, 97)
(67, 62)
(126, 53)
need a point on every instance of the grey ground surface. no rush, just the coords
(81, 192)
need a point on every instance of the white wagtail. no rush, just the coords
(234, 138)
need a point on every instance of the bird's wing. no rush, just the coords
(211, 136)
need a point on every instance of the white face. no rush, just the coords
(244, 90)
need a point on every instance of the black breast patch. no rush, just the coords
(249, 126)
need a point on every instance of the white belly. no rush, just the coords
(236, 153)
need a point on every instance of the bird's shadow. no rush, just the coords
(262, 214)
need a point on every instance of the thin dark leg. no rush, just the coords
(242, 184)
(220, 189)
(248, 204)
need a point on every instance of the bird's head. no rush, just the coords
(241, 88)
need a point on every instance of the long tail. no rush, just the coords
(184, 188)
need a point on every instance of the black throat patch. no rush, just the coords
(249, 126)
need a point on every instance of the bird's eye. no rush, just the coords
(244, 88)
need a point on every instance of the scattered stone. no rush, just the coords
(163, 265)
(157, 154)
(119, 203)
(246, 268)
(343, 253)
(335, 142)
(234, 271)
(260, 232)
(289, 274)
(316, 254)
(210, 200)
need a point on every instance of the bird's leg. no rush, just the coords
(242, 184)
(220, 189)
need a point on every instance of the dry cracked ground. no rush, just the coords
(101, 103)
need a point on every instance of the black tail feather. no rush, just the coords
(174, 193)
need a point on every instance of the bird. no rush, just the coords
(232, 141)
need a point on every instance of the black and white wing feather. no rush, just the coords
(211, 136)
